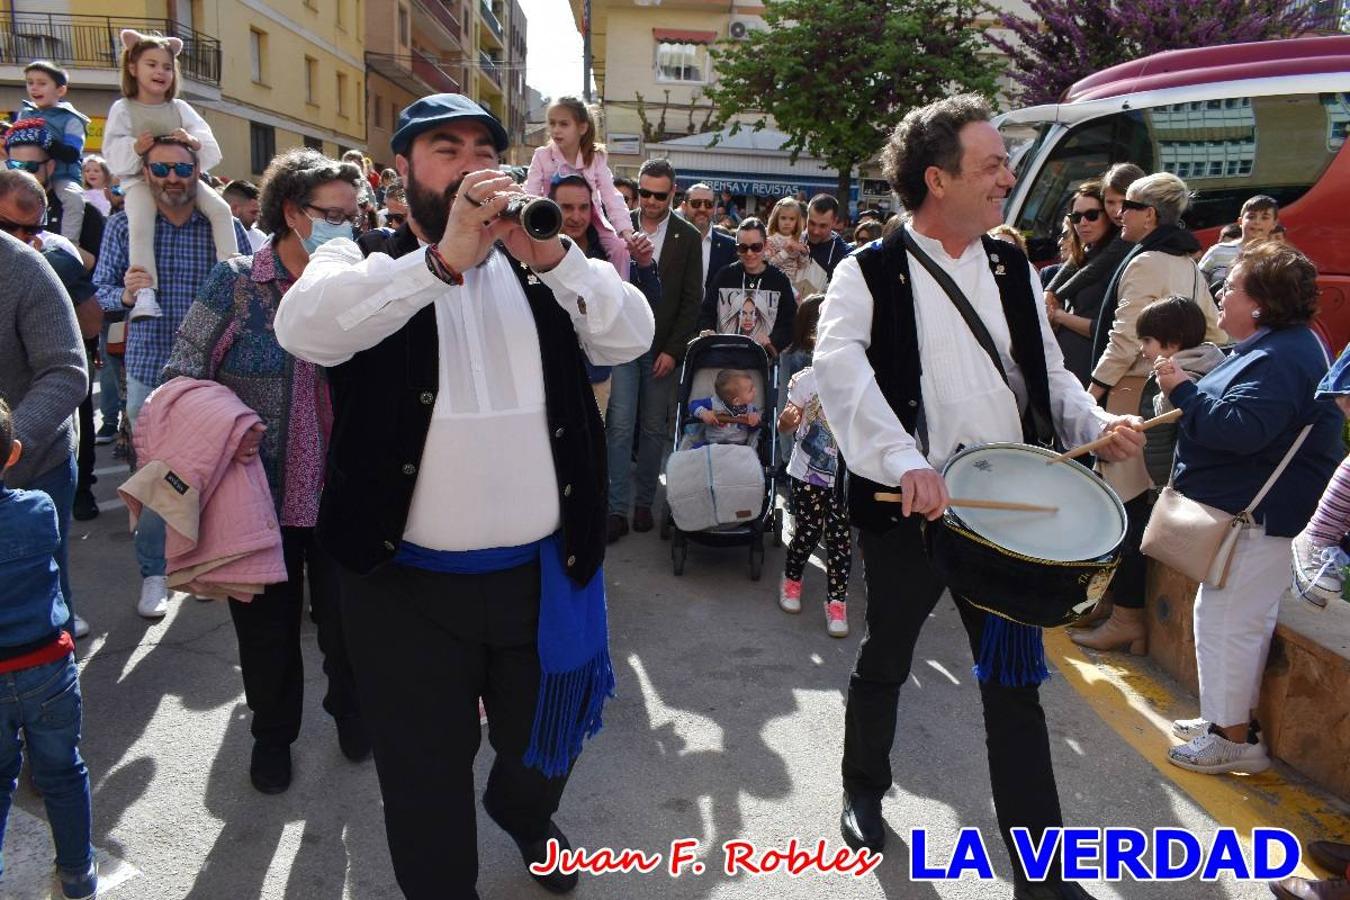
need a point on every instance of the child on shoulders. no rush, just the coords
(47, 83)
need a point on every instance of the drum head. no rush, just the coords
(1089, 524)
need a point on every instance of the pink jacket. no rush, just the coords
(548, 161)
(223, 539)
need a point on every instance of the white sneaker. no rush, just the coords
(147, 307)
(1190, 729)
(790, 595)
(79, 627)
(1213, 753)
(1317, 570)
(836, 619)
(154, 602)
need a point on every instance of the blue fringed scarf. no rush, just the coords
(576, 676)
(1011, 654)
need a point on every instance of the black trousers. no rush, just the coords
(268, 629)
(425, 647)
(1130, 584)
(902, 590)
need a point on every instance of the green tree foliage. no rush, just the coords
(837, 75)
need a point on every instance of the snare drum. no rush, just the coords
(1036, 568)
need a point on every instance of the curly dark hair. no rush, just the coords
(929, 136)
(293, 176)
(1281, 280)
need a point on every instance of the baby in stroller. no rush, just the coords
(730, 416)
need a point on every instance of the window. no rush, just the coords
(342, 94)
(340, 18)
(393, 115)
(314, 143)
(257, 54)
(681, 62)
(378, 104)
(311, 80)
(403, 25)
(262, 144)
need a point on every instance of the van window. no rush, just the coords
(1225, 150)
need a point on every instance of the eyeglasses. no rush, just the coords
(659, 195)
(700, 204)
(335, 215)
(18, 229)
(1133, 204)
(750, 248)
(28, 166)
(162, 170)
(1091, 215)
(394, 218)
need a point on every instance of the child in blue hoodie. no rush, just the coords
(47, 84)
(41, 695)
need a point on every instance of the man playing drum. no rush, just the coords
(906, 382)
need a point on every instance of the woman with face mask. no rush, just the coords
(306, 200)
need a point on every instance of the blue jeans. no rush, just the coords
(637, 400)
(149, 527)
(109, 391)
(45, 702)
(58, 482)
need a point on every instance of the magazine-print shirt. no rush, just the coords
(760, 306)
(815, 455)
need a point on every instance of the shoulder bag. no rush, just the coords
(1197, 539)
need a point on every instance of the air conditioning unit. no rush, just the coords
(739, 29)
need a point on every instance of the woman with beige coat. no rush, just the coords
(1160, 264)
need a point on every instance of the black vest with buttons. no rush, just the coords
(382, 403)
(894, 352)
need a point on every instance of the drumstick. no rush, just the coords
(1012, 505)
(1106, 439)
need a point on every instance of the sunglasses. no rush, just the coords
(659, 195)
(750, 248)
(396, 218)
(700, 204)
(162, 170)
(20, 228)
(1134, 204)
(1091, 215)
(32, 168)
(335, 215)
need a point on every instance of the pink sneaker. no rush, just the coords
(836, 619)
(790, 596)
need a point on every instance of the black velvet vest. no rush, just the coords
(894, 353)
(382, 403)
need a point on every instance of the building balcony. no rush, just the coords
(438, 21)
(430, 71)
(492, 26)
(491, 69)
(94, 42)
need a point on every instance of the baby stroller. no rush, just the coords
(704, 358)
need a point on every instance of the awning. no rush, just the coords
(754, 184)
(684, 36)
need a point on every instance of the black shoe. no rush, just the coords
(270, 768)
(615, 528)
(85, 506)
(861, 823)
(106, 435)
(353, 738)
(642, 518)
(537, 851)
(1044, 890)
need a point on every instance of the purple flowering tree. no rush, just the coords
(1066, 40)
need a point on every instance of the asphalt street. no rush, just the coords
(727, 726)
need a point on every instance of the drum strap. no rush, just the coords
(1034, 430)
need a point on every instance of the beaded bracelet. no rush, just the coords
(437, 265)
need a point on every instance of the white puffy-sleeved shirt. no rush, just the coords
(487, 477)
(965, 401)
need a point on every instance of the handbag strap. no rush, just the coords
(1279, 470)
(972, 318)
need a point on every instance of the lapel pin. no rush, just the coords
(902, 277)
(994, 257)
(532, 279)
(999, 270)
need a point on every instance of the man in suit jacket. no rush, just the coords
(719, 248)
(642, 389)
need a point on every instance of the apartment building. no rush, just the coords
(266, 74)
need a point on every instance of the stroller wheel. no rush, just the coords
(777, 526)
(756, 560)
(663, 518)
(679, 550)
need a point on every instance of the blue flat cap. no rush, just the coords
(438, 109)
(1337, 381)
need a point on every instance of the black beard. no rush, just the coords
(430, 210)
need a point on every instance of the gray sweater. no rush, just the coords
(42, 364)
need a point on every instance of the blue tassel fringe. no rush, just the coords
(568, 712)
(1011, 654)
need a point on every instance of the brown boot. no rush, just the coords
(1095, 616)
(1124, 629)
